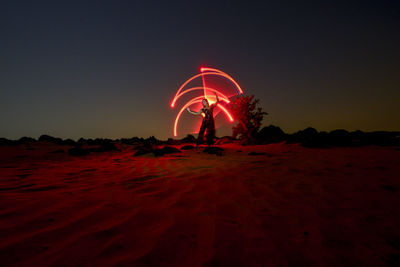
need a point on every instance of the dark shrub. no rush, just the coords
(271, 134)
(188, 139)
(304, 136)
(69, 142)
(50, 139)
(339, 138)
(248, 115)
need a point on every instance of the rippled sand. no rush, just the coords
(285, 205)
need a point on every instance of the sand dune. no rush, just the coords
(283, 205)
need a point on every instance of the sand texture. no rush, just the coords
(282, 205)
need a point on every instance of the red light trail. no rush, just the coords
(204, 72)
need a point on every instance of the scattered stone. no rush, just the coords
(214, 150)
(105, 147)
(78, 151)
(50, 139)
(58, 151)
(187, 147)
(68, 142)
(142, 150)
(224, 140)
(188, 139)
(165, 150)
(253, 153)
(25, 140)
(131, 141)
(271, 134)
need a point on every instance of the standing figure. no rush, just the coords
(207, 124)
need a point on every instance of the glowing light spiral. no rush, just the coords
(204, 72)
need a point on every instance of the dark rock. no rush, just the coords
(310, 138)
(165, 150)
(253, 153)
(58, 151)
(152, 140)
(304, 136)
(6, 142)
(339, 138)
(50, 139)
(173, 142)
(78, 151)
(187, 147)
(68, 142)
(94, 142)
(188, 139)
(106, 146)
(358, 138)
(97, 141)
(214, 150)
(321, 140)
(144, 148)
(271, 134)
(381, 138)
(25, 140)
(141, 152)
(224, 140)
(131, 141)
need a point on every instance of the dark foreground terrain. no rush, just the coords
(277, 204)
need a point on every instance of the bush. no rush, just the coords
(248, 116)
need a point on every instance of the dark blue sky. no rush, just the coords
(109, 68)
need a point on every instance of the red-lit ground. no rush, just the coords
(291, 206)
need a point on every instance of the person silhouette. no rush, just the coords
(207, 125)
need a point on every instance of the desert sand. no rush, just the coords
(284, 205)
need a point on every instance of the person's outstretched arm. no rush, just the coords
(217, 98)
(193, 112)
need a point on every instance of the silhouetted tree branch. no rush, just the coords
(249, 117)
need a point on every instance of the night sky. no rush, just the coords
(110, 68)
